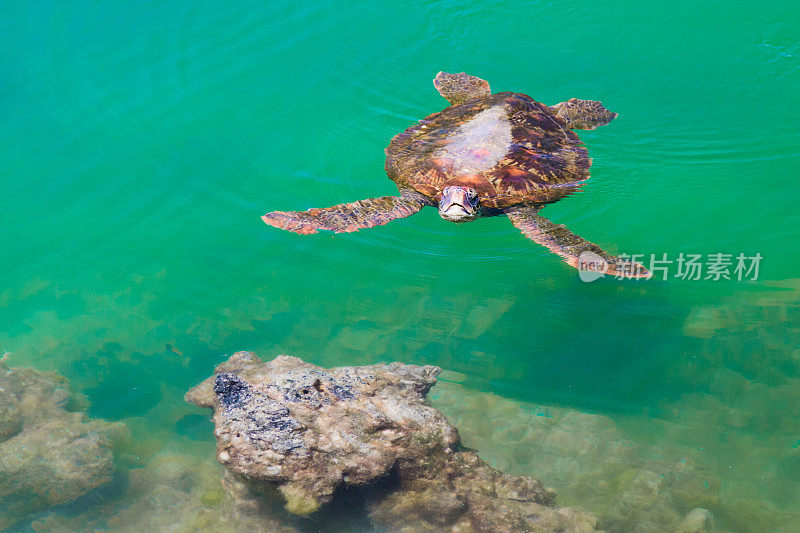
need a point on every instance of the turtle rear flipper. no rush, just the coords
(561, 241)
(460, 87)
(583, 114)
(348, 217)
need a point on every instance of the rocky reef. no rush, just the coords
(589, 460)
(50, 452)
(315, 433)
(173, 492)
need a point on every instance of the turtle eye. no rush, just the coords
(472, 193)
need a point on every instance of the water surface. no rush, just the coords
(141, 143)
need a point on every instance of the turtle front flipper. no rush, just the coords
(583, 114)
(349, 217)
(460, 87)
(576, 251)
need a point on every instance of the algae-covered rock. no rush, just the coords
(697, 520)
(10, 417)
(173, 492)
(48, 455)
(465, 494)
(310, 431)
(586, 457)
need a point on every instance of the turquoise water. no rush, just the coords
(141, 142)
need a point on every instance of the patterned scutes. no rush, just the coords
(544, 161)
(349, 217)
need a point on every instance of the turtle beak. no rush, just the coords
(458, 204)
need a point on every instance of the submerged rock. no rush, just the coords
(310, 432)
(48, 454)
(10, 417)
(697, 520)
(588, 459)
(173, 492)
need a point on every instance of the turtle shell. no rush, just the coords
(512, 149)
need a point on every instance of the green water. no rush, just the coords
(141, 142)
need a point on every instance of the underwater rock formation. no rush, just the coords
(173, 492)
(589, 461)
(311, 432)
(48, 454)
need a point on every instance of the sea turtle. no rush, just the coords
(484, 155)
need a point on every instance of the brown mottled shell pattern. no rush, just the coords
(518, 154)
(541, 161)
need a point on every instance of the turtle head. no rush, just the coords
(459, 204)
